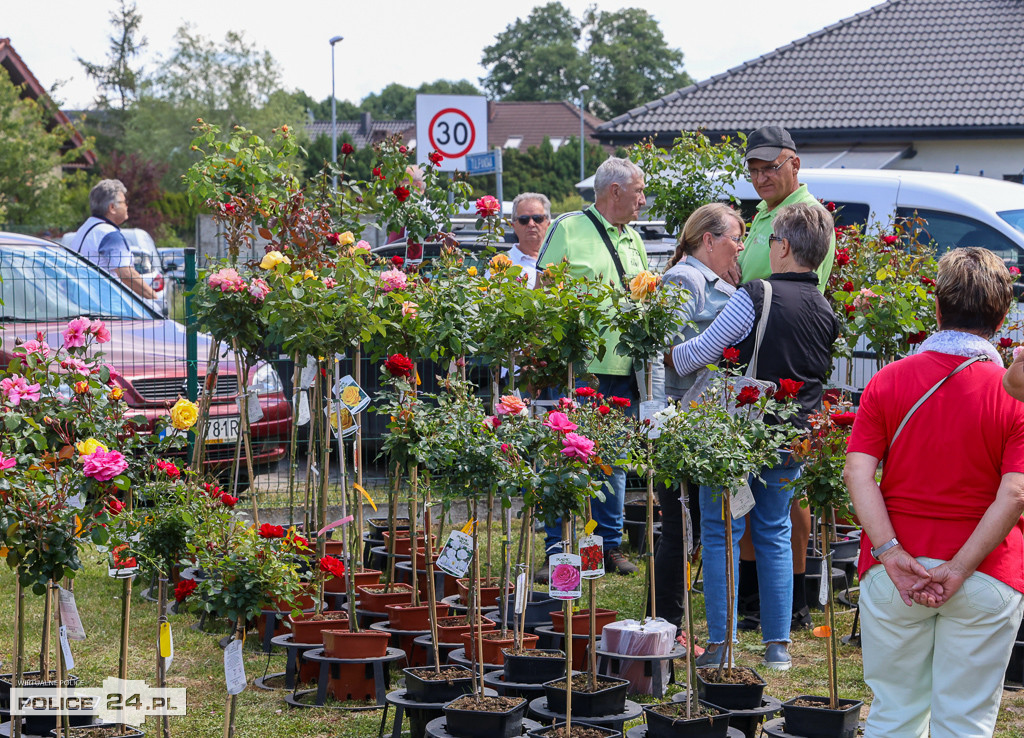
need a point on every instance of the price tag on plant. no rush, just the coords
(456, 554)
(69, 615)
(234, 668)
(520, 602)
(120, 565)
(591, 557)
(303, 409)
(653, 413)
(564, 577)
(308, 373)
(65, 648)
(255, 409)
(742, 500)
(351, 394)
(826, 574)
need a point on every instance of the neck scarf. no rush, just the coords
(959, 343)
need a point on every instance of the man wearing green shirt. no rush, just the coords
(598, 243)
(774, 168)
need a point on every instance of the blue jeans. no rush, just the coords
(770, 532)
(607, 514)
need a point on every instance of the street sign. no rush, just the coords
(453, 126)
(486, 163)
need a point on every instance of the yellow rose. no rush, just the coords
(308, 274)
(471, 271)
(184, 414)
(116, 393)
(643, 285)
(350, 396)
(89, 446)
(499, 263)
(273, 258)
(346, 238)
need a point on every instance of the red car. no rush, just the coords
(43, 285)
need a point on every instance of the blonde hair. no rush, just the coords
(711, 218)
(973, 289)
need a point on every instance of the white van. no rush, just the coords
(961, 209)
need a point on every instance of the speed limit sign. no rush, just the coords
(452, 125)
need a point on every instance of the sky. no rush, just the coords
(404, 41)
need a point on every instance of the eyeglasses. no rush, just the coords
(735, 239)
(767, 171)
(538, 219)
(773, 237)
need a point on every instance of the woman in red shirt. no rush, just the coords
(942, 558)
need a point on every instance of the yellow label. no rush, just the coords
(78, 527)
(165, 639)
(468, 527)
(365, 494)
(590, 527)
(418, 382)
(688, 582)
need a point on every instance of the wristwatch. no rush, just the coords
(876, 552)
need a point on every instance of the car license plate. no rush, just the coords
(222, 429)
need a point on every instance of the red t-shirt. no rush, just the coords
(942, 473)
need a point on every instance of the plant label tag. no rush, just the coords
(69, 615)
(234, 668)
(348, 425)
(308, 374)
(520, 604)
(826, 576)
(255, 409)
(456, 554)
(303, 409)
(166, 645)
(120, 565)
(742, 500)
(649, 411)
(564, 582)
(65, 648)
(352, 395)
(592, 557)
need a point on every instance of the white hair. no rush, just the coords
(615, 171)
(523, 197)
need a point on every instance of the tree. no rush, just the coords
(141, 177)
(116, 77)
(536, 58)
(398, 102)
(630, 63)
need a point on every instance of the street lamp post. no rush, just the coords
(334, 118)
(582, 89)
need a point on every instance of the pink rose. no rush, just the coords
(100, 330)
(6, 463)
(33, 347)
(226, 280)
(103, 465)
(487, 206)
(259, 289)
(565, 578)
(510, 405)
(16, 388)
(577, 447)
(330, 282)
(75, 333)
(567, 403)
(560, 423)
(393, 279)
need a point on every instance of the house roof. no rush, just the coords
(364, 131)
(20, 74)
(921, 67)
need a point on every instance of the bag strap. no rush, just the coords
(761, 325)
(608, 244)
(930, 392)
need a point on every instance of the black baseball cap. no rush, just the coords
(767, 142)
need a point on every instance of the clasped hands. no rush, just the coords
(928, 587)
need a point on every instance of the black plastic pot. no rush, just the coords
(130, 731)
(608, 701)
(31, 679)
(549, 729)
(845, 548)
(731, 696)
(379, 525)
(43, 724)
(523, 669)
(479, 724)
(821, 722)
(538, 609)
(436, 690)
(1015, 669)
(707, 726)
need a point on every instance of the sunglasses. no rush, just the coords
(773, 237)
(538, 219)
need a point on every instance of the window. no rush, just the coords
(513, 142)
(950, 231)
(851, 213)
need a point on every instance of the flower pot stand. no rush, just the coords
(539, 710)
(405, 640)
(611, 664)
(777, 729)
(348, 679)
(458, 656)
(273, 623)
(419, 713)
(438, 728)
(427, 644)
(367, 618)
(457, 606)
(297, 669)
(550, 637)
(747, 721)
(640, 731)
(496, 681)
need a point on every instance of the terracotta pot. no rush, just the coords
(403, 545)
(488, 594)
(344, 644)
(407, 617)
(453, 633)
(581, 620)
(396, 594)
(367, 578)
(493, 648)
(301, 602)
(305, 630)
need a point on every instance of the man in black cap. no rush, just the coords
(773, 168)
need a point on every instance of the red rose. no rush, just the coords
(787, 388)
(848, 286)
(849, 309)
(1005, 342)
(346, 148)
(229, 207)
(402, 149)
(271, 531)
(398, 365)
(169, 469)
(731, 354)
(604, 409)
(115, 506)
(842, 257)
(890, 240)
(414, 250)
(504, 448)
(927, 282)
(1014, 272)
(397, 260)
(620, 401)
(435, 158)
(585, 392)
(228, 500)
(334, 238)
(830, 206)
(843, 419)
(300, 542)
(184, 588)
(747, 396)
(402, 193)
(331, 565)
(487, 206)
(376, 173)
(916, 337)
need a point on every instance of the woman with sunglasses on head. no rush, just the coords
(531, 216)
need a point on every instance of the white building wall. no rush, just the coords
(992, 156)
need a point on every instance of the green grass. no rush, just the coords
(198, 661)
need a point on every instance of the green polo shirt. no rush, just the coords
(574, 237)
(754, 257)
